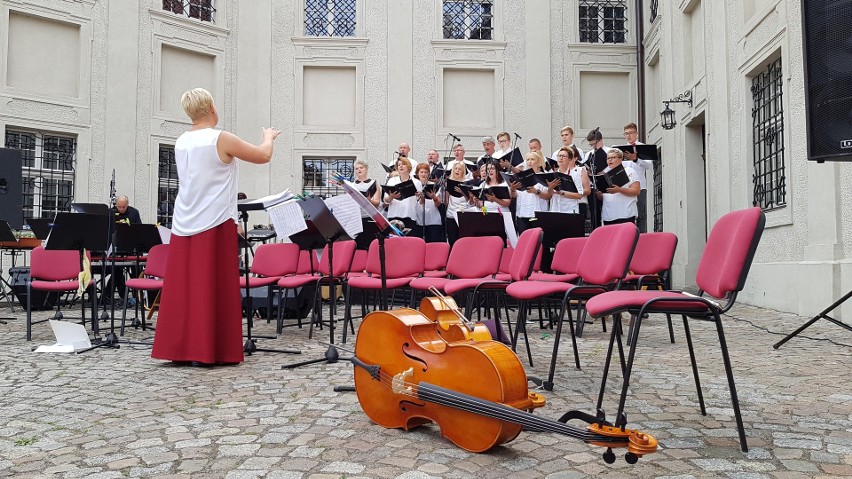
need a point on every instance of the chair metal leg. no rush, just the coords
(734, 399)
(347, 314)
(671, 329)
(124, 313)
(548, 385)
(613, 337)
(30, 313)
(627, 372)
(694, 365)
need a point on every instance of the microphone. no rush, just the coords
(518, 136)
(454, 137)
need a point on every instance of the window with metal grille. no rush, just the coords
(48, 166)
(767, 114)
(658, 192)
(603, 21)
(316, 173)
(201, 9)
(654, 10)
(330, 18)
(468, 19)
(167, 185)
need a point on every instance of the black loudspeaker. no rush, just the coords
(41, 299)
(11, 194)
(827, 30)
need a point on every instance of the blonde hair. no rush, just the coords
(538, 157)
(361, 162)
(196, 103)
(404, 161)
(568, 129)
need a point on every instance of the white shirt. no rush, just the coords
(618, 205)
(433, 214)
(529, 203)
(562, 204)
(406, 208)
(207, 196)
(456, 204)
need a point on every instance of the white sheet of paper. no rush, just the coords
(511, 234)
(272, 200)
(347, 212)
(165, 234)
(69, 338)
(287, 218)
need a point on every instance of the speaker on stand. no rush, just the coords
(11, 191)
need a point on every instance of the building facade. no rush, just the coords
(88, 87)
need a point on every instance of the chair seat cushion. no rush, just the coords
(373, 282)
(297, 281)
(457, 285)
(423, 284)
(56, 285)
(616, 301)
(554, 277)
(435, 274)
(526, 290)
(256, 282)
(503, 277)
(144, 283)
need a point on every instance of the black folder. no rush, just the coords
(551, 164)
(515, 157)
(544, 178)
(430, 188)
(614, 177)
(500, 191)
(527, 178)
(566, 183)
(453, 184)
(406, 189)
(645, 152)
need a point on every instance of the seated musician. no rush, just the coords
(429, 208)
(619, 202)
(126, 214)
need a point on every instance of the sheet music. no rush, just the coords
(347, 212)
(511, 234)
(165, 234)
(287, 218)
(272, 200)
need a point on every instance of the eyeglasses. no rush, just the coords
(613, 157)
(630, 133)
(563, 155)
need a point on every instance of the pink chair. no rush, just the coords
(404, 256)
(271, 262)
(56, 271)
(152, 280)
(437, 255)
(602, 266)
(721, 274)
(651, 267)
(470, 257)
(565, 259)
(505, 260)
(528, 248)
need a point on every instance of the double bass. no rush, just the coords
(407, 375)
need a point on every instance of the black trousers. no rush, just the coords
(632, 219)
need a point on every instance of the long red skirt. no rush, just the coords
(200, 309)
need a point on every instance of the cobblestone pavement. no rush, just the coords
(118, 413)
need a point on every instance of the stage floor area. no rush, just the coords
(118, 413)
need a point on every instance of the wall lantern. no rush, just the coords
(667, 116)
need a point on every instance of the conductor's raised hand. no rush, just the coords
(271, 133)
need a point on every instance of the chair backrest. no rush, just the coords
(475, 257)
(275, 259)
(527, 250)
(654, 253)
(359, 261)
(607, 253)
(506, 259)
(155, 264)
(308, 262)
(437, 254)
(54, 265)
(567, 255)
(729, 252)
(342, 253)
(404, 256)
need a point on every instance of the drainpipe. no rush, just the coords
(640, 67)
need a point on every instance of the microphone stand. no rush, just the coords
(593, 205)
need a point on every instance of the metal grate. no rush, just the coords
(201, 9)
(654, 9)
(658, 192)
(167, 185)
(603, 21)
(330, 18)
(48, 168)
(318, 171)
(468, 19)
(770, 183)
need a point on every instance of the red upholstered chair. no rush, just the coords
(651, 266)
(721, 274)
(565, 259)
(271, 262)
(359, 264)
(505, 262)
(437, 255)
(602, 265)
(151, 280)
(56, 271)
(404, 256)
(470, 257)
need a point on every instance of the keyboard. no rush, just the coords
(260, 234)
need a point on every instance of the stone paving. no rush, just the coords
(117, 413)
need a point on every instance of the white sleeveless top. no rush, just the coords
(207, 195)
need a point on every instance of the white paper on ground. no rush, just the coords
(69, 338)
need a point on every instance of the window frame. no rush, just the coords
(170, 186)
(601, 20)
(767, 161)
(184, 8)
(470, 27)
(357, 20)
(319, 185)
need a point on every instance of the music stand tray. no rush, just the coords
(558, 226)
(6, 233)
(136, 238)
(78, 231)
(477, 224)
(91, 208)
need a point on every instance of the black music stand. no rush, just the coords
(822, 315)
(474, 223)
(40, 227)
(6, 234)
(81, 231)
(136, 240)
(250, 346)
(556, 227)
